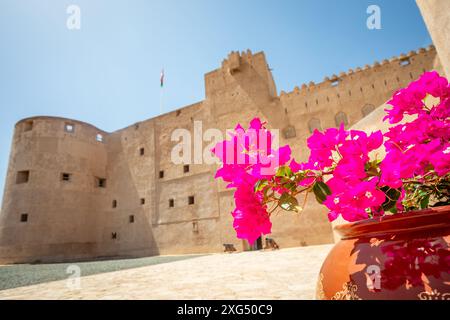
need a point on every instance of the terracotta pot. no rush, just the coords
(403, 256)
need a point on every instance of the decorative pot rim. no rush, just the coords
(419, 220)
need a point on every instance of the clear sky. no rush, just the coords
(107, 73)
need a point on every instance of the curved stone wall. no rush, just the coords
(146, 204)
(52, 193)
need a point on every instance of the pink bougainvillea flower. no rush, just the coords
(366, 194)
(418, 150)
(434, 84)
(354, 201)
(246, 157)
(250, 216)
(359, 145)
(441, 160)
(322, 146)
(405, 101)
(342, 205)
(442, 110)
(295, 166)
(267, 165)
(410, 99)
(350, 169)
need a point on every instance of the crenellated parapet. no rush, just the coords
(235, 60)
(352, 74)
(76, 192)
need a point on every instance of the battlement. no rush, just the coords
(244, 69)
(93, 193)
(235, 60)
(334, 80)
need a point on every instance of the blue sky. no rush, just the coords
(107, 73)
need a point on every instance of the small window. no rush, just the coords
(99, 137)
(314, 124)
(69, 127)
(340, 118)
(171, 203)
(131, 218)
(191, 200)
(195, 226)
(101, 182)
(24, 217)
(28, 126)
(186, 168)
(23, 177)
(161, 174)
(405, 62)
(141, 151)
(142, 201)
(368, 108)
(289, 132)
(114, 203)
(114, 235)
(178, 113)
(66, 176)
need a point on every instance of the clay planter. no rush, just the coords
(404, 256)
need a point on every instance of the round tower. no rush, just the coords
(56, 175)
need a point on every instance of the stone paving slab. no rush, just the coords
(281, 274)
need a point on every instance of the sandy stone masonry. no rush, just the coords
(76, 192)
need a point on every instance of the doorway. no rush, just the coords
(257, 245)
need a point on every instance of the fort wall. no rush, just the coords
(60, 215)
(146, 204)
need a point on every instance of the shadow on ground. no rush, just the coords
(13, 276)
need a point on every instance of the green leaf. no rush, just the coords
(284, 171)
(392, 196)
(260, 184)
(321, 191)
(424, 202)
(291, 186)
(393, 209)
(288, 202)
(372, 167)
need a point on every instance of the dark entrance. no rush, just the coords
(257, 245)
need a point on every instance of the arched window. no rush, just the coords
(339, 118)
(314, 124)
(368, 108)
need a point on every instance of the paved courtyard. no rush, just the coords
(281, 274)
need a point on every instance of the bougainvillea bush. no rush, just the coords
(414, 174)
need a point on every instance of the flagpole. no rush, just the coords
(161, 101)
(161, 92)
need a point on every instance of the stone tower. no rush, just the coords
(76, 192)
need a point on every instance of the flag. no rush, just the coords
(162, 78)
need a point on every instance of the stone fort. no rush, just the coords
(74, 191)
